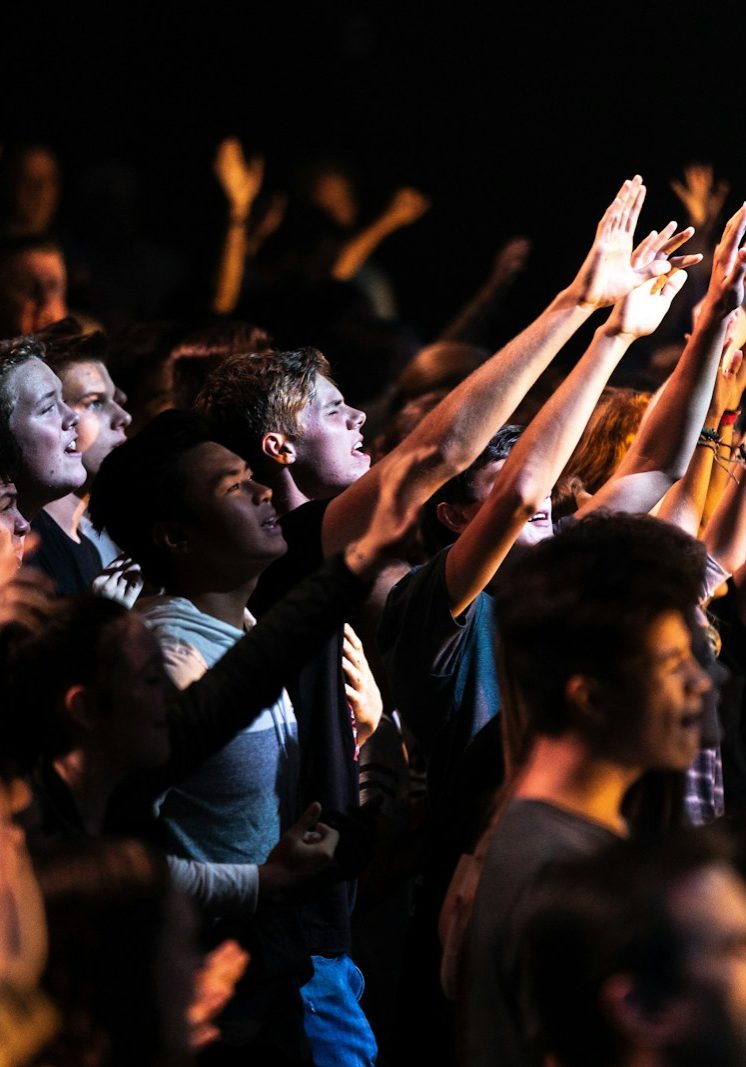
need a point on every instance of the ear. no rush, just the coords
(452, 515)
(279, 447)
(79, 706)
(640, 1026)
(584, 698)
(171, 535)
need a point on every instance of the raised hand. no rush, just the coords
(511, 258)
(240, 179)
(361, 690)
(608, 273)
(725, 292)
(642, 311)
(406, 206)
(659, 246)
(698, 193)
(731, 379)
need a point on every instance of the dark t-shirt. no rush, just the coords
(72, 566)
(529, 839)
(441, 670)
(328, 770)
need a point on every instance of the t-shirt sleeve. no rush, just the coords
(421, 643)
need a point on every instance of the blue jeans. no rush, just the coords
(337, 1030)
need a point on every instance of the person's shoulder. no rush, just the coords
(304, 521)
(301, 529)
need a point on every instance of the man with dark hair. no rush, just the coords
(204, 530)
(596, 645)
(637, 954)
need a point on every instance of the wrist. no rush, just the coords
(613, 331)
(271, 882)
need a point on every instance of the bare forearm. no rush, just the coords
(359, 249)
(530, 472)
(725, 533)
(683, 504)
(230, 268)
(460, 427)
(666, 440)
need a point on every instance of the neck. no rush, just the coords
(91, 784)
(67, 513)
(286, 495)
(562, 771)
(227, 606)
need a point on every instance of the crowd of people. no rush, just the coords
(338, 743)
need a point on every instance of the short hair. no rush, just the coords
(76, 646)
(596, 916)
(200, 352)
(460, 488)
(13, 353)
(66, 342)
(580, 603)
(247, 396)
(143, 482)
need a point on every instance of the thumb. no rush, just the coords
(309, 818)
(654, 269)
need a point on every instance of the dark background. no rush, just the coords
(521, 119)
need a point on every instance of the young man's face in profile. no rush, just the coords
(231, 527)
(329, 447)
(44, 428)
(655, 707)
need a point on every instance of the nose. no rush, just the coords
(262, 494)
(121, 417)
(20, 527)
(699, 680)
(69, 417)
(356, 418)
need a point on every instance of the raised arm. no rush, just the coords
(407, 205)
(691, 501)
(471, 322)
(457, 430)
(541, 453)
(240, 180)
(664, 444)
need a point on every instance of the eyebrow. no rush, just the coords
(664, 654)
(230, 472)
